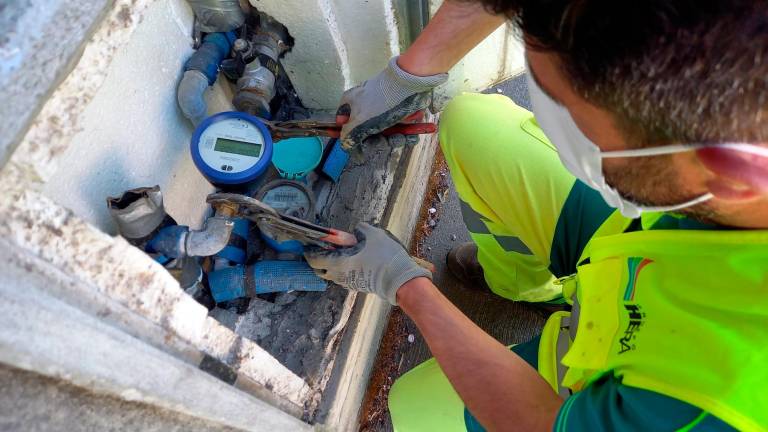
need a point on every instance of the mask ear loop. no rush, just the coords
(680, 148)
(706, 197)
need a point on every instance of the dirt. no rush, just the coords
(293, 327)
(375, 411)
(437, 188)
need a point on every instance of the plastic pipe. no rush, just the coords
(263, 277)
(218, 15)
(200, 72)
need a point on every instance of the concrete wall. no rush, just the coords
(108, 156)
(35, 403)
(87, 308)
(40, 40)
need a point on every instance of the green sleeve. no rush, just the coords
(607, 404)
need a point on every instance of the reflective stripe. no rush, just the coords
(575, 312)
(475, 223)
(473, 220)
(513, 244)
(563, 344)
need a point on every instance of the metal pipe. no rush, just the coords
(256, 87)
(139, 213)
(218, 15)
(178, 241)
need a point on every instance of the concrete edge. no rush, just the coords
(43, 334)
(109, 268)
(369, 320)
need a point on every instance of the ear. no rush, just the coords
(738, 175)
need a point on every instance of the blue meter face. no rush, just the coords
(231, 148)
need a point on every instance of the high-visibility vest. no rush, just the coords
(683, 313)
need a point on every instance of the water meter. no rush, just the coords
(288, 197)
(231, 148)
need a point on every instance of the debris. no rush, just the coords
(453, 237)
(386, 368)
(226, 317)
(411, 338)
(437, 189)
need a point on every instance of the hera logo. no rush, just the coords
(636, 316)
(635, 266)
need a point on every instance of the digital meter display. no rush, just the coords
(237, 147)
(231, 148)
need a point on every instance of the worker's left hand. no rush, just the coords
(383, 101)
(377, 264)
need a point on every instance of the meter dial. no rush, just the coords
(231, 148)
(289, 198)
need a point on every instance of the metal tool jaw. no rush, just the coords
(284, 227)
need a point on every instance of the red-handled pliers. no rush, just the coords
(312, 127)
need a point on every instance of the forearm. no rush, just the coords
(500, 389)
(456, 28)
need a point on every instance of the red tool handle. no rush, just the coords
(410, 129)
(400, 128)
(410, 125)
(340, 238)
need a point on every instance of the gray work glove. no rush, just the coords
(377, 264)
(383, 101)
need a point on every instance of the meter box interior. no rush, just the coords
(111, 186)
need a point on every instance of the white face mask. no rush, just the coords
(583, 158)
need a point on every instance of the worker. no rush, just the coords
(636, 191)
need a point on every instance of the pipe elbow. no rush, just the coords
(190, 95)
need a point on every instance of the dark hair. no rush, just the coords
(692, 71)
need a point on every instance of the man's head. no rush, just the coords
(660, 72)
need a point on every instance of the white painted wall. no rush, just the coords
(341, 43)
(498, 57)
(133, 133)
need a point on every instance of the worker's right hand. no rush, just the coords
(382, 102)
(377, 264)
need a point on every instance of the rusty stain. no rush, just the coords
(124, 16)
